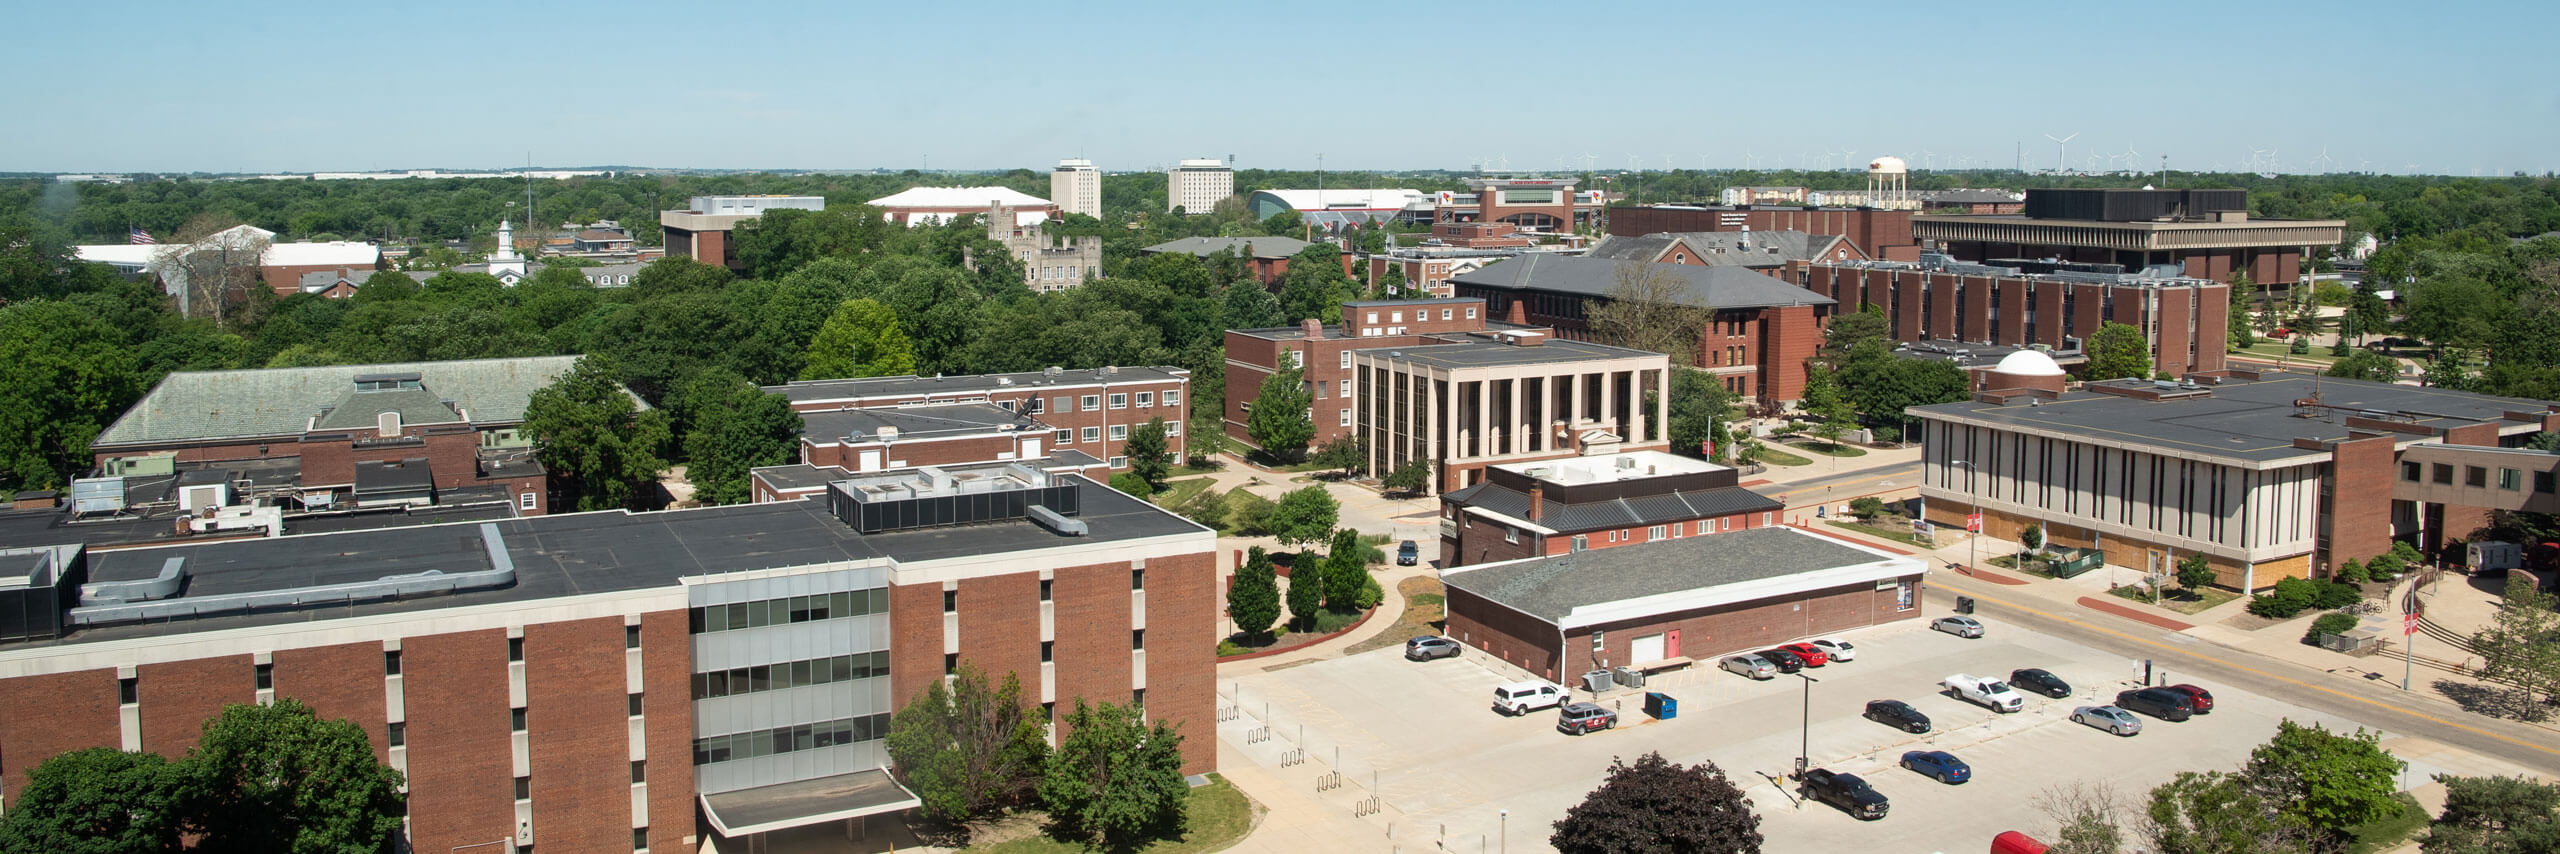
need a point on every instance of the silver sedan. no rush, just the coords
(2108, 718)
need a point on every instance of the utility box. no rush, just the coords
(1628, 677)
(1596, 681)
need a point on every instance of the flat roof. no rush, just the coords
(913, 386)
(805, 802)
(2249, 421)
(911, 421)
(1487, 354)
(1602, 468)
(1720, 287)
(581, 553)
(1602, 585)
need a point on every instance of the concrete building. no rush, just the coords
(1573, 505)
(1762, 331)
(1077, 188)
(1048, 263)
(1764, 195)
(701, 231)
(2022, 303)
(1986, 202)
(2208, 233)
(1195, 186)
(916, 206)
(876, 423)
(2268, 475)
(1663, 605)
(718, 678)
(1336, 209)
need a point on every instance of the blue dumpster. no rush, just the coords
(1661, 706)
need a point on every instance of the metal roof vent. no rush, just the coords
(1058, 524)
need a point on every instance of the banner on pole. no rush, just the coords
(1973, 522)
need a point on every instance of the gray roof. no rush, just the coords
(1482, 354)
(912, 386)
(1551, 588)
(1673, 506)
(200, 405)
(1260, 247)
(1714, 287)
(1720, 248)
(2241, 420)
(911, 422)
(360, 408)
(1973, 197)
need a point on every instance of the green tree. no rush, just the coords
(1314, 286)
(732, 427)
(2031, 538)
(2366, 365)
(600, 447)
(1345, 569)
(1207, 437)
(277, 777)
(2117, 351)
(1697, 407)
(2195, 573)
(2323, 783)
(1391, 285)
(1145, 449)
(1348, 453)
(69, 375)
(2521, 645)
(1116, 777)
(1305, 516)
(971, 750)
(862, 339)
(1253, 600)
(1866, 507)
(1884, 386)
(1826, 406)
(2216, 813)
(95, 801)
(1849, 329)
(1412, 477)
(2451, 369)
(1247, 305)
(2495, 815)
(1659, 805)
(2238, 336)
(1278, 421)
(2366, 312)
(1650, 307)
(1306, 592)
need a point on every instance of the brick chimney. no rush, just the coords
(1312, 328)
(1518, 312)
(1537, 501)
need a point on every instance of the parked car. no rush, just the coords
(1750, 665)
(2202, 698)
(1579, 718)
(1963, 627)
(1813, 655)
(1408, 554)
(1428, 647)
(1985, 691)
(1520, 698)
(1937, 765)
(1787, 662)
(2041, 681)
(2162, 703)
(2108, 718)
(1846, 791)
(1897, 714)
(1839, 650)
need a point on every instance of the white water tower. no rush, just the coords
(1889, 183)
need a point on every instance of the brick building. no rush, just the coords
(334, 439)
(1766, 251)
(1565, 506)
(1990, 202)
(701, 232)
(1665, 604)
(1757, 343)
(1267, 257)
(1547, 205)
(2268, 475)
(1428, 269)
(627, 682)
(2207, 233)
(1884, 234)
(875, 423)
(2183, 320)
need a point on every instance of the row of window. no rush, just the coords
(1119, 432)
(1048, 588)
(1119, 400)
(788, 739)
(790, 674)
(793, 609)
(2476, 477)
(129, 689)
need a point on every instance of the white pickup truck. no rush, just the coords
(1986, 691)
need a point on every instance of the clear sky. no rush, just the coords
(2440, 87)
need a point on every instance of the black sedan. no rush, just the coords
(1897, 714)
(2041, 681)
(1787, 662)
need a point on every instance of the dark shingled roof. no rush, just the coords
(1714, 287)
(1642, 511)
(1551, 588)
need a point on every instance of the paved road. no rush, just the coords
(1850, 483)
(2346, 692)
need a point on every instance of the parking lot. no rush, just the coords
(1441, 758)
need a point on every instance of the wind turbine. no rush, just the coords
(2062, 150)
(2256, 156)
(1588, 159)
(1848, 159)
(2322, 162)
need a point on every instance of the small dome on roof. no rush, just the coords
(2028, 363)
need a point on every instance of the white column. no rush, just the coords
(1514, 439)
(1484, 418)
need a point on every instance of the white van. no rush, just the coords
(1520, 698)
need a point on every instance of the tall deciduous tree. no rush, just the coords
(2323, 783)
(2117, 351)
(971, 750)
(1413, 476)
(2366, 365)
(1850, 329)
(1824, 403)
(2215, 812)
(1207, 437)
(1145, 449)
(95, 801)
(1116, 776)
(2237, 334)
(1698, 405)
(600, 447)
(1278, 421)
(730, 428)
(67, 377)
(862, 339)
(1658, 805)
(1305, 516)
(2084, 817)
(1253, 600)
(277, 777)
(1648, 306)
(1348, 453)
(2522, 643)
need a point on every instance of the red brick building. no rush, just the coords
(1266, 257)
(1577, 504)
(1883, 234)
(1547, 205)
(1763, 330)
(1665, 604)
(2208, 234)
(628, 682)
(1766, 251)
(2184, 320)
(875, 423)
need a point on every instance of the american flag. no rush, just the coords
(140, 237)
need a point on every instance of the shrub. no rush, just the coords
(2331, 595)
(1369, 593)
(2352, 572)
(1866, 508)
(2332, 623)
(2385, 567)
(1248, 515)
(1131, 483)
(2289, 597)
(2300, 347)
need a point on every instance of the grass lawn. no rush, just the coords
(2389, 831)
(2274, 350)
(1770, 454)
(1828, 449)
(1190, 471)
(1901, 535)
(1219, 816)
(1425, 607)
(2177, 600)
(1178, 491)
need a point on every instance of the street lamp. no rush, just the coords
(1976, 505)
(1804, 747)
(1506, 830)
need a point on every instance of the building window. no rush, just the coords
(2443, 474)
(1395, 317)
(630, 637)
(515, 649)
(1471, 312)
(2510, 479)
(635, 705)
(1346, 354)
(1903, 594)
(1173, 398)
(1093, 434)
(1297, 358)
(1373, 318)
(1702, 526)
(516, 719)
(1048, 651)
(1146, 399)
(640, 840)
(1512, 535)
(1346, 416)
(390, 662)
(128, 691)
(1172, 428)
(266, 675)
(2475, 476)
(1092, 402)
(1323, 388)
(1725, 524)
(1655, 533)
(1037, 404)
(1046, 587)
(1764, 518)
(950, 601)
(396, 734)
(1138, 639)
(1581, 542)
(1119, 400)
(524, 500)
(1063, 437)
(1137, 579)
(1065, 404)
(2409, 472)
(640, 772)
(950, 663)
(1444, 314)
(524, 788)
(1119, 462)
(1119, 432)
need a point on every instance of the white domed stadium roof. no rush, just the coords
(2028, 363)
(1888, 166)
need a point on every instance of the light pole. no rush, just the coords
(1975, 509)
(1506, 830)
(1804, 746)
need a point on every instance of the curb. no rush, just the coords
(1355, 626)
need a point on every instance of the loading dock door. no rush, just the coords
(1646, 648)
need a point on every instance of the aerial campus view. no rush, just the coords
(1156, 428)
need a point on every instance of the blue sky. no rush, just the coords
(2448, 88)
